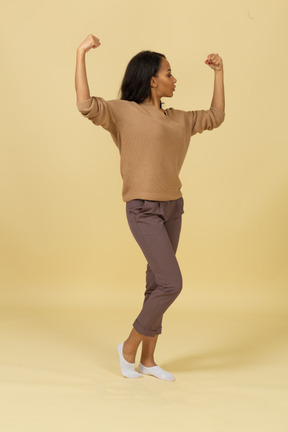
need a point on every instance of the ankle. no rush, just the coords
(128, 354)
(148, 362)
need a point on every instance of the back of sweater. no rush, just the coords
(152, 144)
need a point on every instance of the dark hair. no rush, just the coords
(136, 81)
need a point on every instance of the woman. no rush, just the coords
(152, 143)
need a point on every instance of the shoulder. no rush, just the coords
(120, 103)
(120, 106)
(176, 113)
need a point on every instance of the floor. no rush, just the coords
(59, 371)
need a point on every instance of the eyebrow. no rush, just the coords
(168, 70)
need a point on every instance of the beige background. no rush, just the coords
(72, 275)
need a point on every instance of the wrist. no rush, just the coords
(81, 51)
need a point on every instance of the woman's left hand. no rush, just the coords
(214, 61)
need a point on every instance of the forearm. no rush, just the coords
(218, 100)
(81, 82)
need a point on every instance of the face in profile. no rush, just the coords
(165, 80)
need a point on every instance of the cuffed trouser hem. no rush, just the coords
(145, 331)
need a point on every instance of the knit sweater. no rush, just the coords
(152, 143)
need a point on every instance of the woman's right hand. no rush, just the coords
(90, 42)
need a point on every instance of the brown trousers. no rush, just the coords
(156, 227)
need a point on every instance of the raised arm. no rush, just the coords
(81, 82)
(199, 120)
(215, 62)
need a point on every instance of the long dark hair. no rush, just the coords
(136, 81)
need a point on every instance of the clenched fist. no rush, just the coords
(214, 61)
(90, 42)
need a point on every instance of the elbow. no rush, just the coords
(219, 116)
(84, 106)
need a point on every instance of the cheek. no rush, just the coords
(165, 83)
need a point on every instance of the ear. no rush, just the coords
(152, 82)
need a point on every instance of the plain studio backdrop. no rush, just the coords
(73, 276)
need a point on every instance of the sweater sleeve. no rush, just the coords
(201, 120)
(99, 111)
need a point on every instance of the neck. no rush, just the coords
(154, 100)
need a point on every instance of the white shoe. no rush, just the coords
(127, 369)
(156, 371)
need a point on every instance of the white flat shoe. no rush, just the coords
(156, 371)
(127, 369)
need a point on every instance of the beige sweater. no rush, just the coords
(152, 145)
